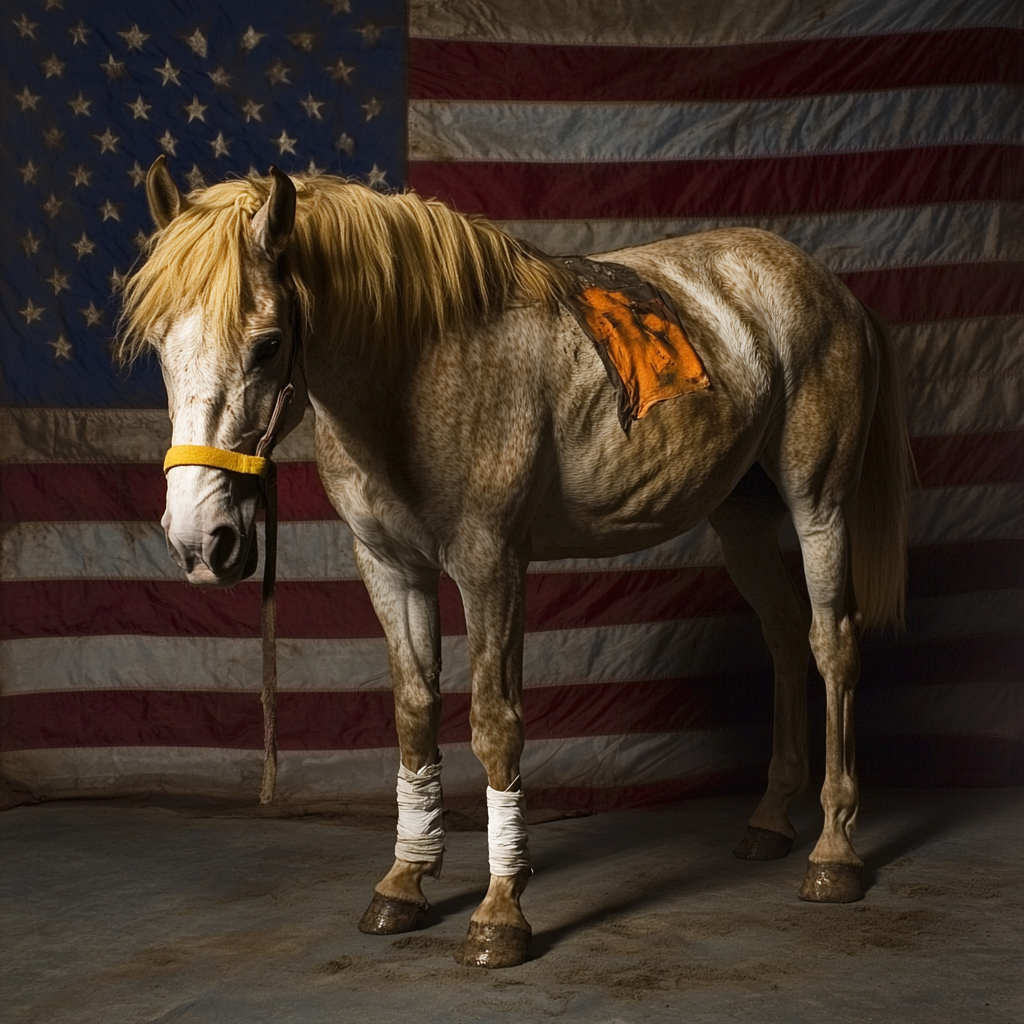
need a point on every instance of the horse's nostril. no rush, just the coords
(219, 547)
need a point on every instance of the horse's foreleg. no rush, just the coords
(833, 871)
(406, 604)
(748, 524)
(498, 932)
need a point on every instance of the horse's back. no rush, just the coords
(759, 312)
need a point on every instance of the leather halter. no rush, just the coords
(262, 467)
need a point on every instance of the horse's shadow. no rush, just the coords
(905, 820)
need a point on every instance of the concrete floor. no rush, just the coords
(116, 913)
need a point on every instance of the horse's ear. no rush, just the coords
(274, 220)
(165, 201)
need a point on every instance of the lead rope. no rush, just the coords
(268, 607)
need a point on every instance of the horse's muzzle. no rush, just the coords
(222, 558)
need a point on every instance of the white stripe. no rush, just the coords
(845, 242)
(632, 132)
(600, 761)
(964, 375)
(322, 550)
(607, 654)
(111, 435)
(695, 22)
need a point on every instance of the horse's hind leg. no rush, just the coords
(747, 523)
(406, 603)
(833, 872)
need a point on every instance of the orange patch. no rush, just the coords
(645, 344)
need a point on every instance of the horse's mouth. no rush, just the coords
(201, 575)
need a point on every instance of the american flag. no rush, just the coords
(883, 136)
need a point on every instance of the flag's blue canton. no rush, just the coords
(93, 92)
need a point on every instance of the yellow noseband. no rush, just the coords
(215, 458)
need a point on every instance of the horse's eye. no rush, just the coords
(266, 348)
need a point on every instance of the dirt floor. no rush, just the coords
(117, 913)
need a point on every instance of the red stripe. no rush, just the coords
(960, 460)
(889, 760)
(454, 70)
(769, 186)
(342, 609)
(953, 292)
(908, 760)
(359, 720)
(364, 719)
(118, 492)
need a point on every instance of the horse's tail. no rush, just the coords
(881, 508)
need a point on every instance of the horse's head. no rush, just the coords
(224, 333)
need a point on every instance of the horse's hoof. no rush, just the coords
(831, 883)
(388, 916)
(493, 945)
(763, 844)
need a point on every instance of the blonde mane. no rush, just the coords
(382, 273)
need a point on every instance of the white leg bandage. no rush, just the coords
(506, 832)
(420, 805)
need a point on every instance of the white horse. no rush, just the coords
(465, 424)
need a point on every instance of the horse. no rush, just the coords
(465, 424)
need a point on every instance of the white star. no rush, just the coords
(140, 108)
(25, 26)
(52, 66)
(113, 68)
(81, 175)
(220, 77)
(27, 99)
(340, 71)
(108, 141)
(252, 111)
(31, 313)
(30, 244)
(59, 281)
(252, 38)
(137, 174)
(117, 280)
(81, 105)
(84, 247)
(313, 106)
(346, 143)
(93, 316)
(370, 33)
(78, 34)
(372, 107)
(61, 347)
(338, 6)
(168, 142)
(220, 146)
(52, 138)
(375, 177)
(195, 177)
(284, 143)
(198, 43)
(313, 169)
(195, 109)
(169, 73)
(109, 209)
(278, 73)
(28, 172)
(52, 205)
(59, 4)
(134, 38)
(303, 40)
(140, 239)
